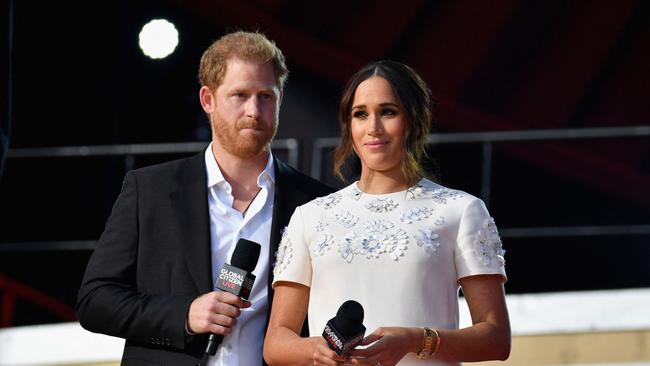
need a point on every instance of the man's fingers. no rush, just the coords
(223, 320)
(225, 309)
(219, 329)
(215, 312)
(228, 298)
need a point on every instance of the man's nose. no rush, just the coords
(253, 107)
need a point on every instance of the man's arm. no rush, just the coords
(109, 301)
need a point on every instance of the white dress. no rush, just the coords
(399, 255)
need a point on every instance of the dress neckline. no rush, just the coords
(358, 192)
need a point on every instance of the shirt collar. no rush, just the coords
(215, 176)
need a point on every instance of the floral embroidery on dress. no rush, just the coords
(415, 214)
(375, 238)
(320, 226)
(487, 244)
(381, 236)
(346, 219)
(440, 221)
(380, 205)
(323, 244)
(420, 190)
(346, 247)
(328, 201)
(441, 195)
(284, 254)
(425, 189)
(378, 237)
(355, 193)
(428, 239)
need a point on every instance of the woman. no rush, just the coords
(397, 243)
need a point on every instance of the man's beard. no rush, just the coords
(243, 146)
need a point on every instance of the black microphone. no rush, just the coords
(236, 278)
(345, 331)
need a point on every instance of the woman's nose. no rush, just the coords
(376, 126)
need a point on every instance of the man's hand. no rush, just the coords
(215, 312)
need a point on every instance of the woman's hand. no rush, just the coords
(391, 344)
(323, 355)
(283, 344)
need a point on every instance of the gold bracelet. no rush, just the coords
(435, 349)
(427, 343)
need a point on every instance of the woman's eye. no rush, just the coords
(359, 114)
(389, 112)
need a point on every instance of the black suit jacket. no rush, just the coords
(153, 258)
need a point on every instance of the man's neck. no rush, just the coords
(241, 173)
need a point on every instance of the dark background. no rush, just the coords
(79, 78)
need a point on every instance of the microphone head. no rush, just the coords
(245, 255)
(349, 318)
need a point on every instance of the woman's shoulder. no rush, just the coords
(327, 202)
(437, 193)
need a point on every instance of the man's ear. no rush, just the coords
(280, 97)
(207, 99)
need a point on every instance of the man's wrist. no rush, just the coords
(188, 331)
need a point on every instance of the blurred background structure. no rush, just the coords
(542, 109)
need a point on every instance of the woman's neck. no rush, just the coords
(375, 182)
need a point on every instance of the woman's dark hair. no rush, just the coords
(415, 98)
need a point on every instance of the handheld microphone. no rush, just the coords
(236, 278)
(345, 331)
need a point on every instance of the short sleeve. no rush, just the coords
(293, 263)
(479, 249)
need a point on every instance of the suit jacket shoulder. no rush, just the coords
(292, 190)
(179, 171)
(305, 186)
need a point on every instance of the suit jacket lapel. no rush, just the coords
(284, 204)
(191, 207)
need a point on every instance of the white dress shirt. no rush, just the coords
(243, 346)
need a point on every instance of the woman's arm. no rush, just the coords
(487, 339)
(283, 344)
(489, 336)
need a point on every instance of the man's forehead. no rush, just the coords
(242, 71)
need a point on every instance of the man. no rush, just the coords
(150, 279)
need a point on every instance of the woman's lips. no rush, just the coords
(375, 144)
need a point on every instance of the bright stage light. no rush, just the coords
(158, 38)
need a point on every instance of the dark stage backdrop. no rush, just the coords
(80, 79)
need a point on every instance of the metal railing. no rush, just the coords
(487, 139)
(130, 151)
(522, 232)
